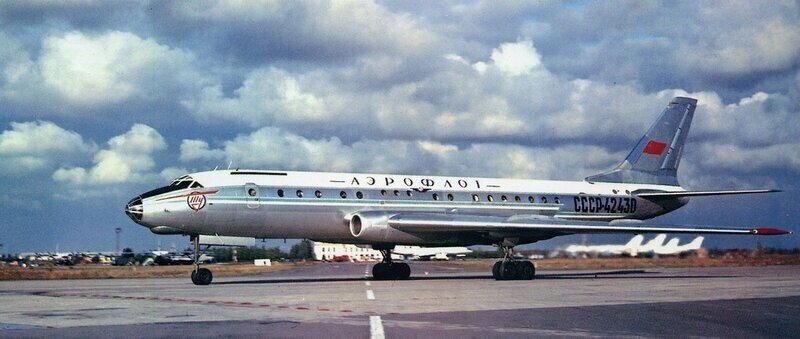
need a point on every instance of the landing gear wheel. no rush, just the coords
(381, 271)
(496, 270)
(202, 276)
(508, 270)
(513, 270)
(384, 271)
(525, 270)
(401, 271)
(388, 270)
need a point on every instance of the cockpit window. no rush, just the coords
(177, 184)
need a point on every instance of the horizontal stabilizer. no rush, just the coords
(680, 194)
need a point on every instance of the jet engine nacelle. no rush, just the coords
(373, 227)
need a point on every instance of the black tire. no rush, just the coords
(202, 276)
(508, 270)
(525, 270)
(381, 271)
(401, 271)
(496, 270)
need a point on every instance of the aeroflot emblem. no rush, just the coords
(196, 201)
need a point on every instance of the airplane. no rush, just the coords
(385, 210)
(630, 248)
(673, 247)
(651, 246)
(428, 253)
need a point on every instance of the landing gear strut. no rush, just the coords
(388, 270)
(510, 269)
(200, 276)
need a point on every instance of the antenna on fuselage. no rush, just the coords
(230, 164)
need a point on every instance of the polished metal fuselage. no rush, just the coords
(323, 214)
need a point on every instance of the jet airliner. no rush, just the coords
(385, 210)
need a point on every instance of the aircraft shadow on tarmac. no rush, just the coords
(576, 275)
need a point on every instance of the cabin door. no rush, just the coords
(252, 193)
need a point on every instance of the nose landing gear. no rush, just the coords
(200, 276)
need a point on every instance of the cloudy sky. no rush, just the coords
(100, 101)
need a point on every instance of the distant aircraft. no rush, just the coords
(651, 246)
(435, 253)
(673, 248)
(631, 248)
(635, 247)
(384, 210)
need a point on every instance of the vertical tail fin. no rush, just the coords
(656, 157)
(695, 244)
(635, 242)
(651, 245)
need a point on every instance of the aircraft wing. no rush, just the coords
(427, 223)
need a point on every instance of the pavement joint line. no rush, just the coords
(215, 302)
(376, 327)
(370, 295)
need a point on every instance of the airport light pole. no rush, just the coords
(118, 230)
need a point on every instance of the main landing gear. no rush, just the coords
(200, 276)
(388, 270)
(510, 269)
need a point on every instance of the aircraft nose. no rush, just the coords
(134, 210)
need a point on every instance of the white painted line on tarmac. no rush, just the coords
(370, 295)
(376, 327)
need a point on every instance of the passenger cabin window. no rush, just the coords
(396, 193)
(408, 193)
(504, 198)
(252, 192)
(490, 197)
(343, 194)
(544, 200)
(435, 196)
(450, 197)
(557, 200)
(299, 193)
(476, 198)
(280, 193)
(318, 194)
(531, 199)
(359, 195)
(383, 193)
(517, 199)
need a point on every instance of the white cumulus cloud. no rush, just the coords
(128, 158)
(516, 58)
(36, 145)
(109, 68)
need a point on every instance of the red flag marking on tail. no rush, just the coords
(654, 147)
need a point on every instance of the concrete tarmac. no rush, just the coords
(336, 300)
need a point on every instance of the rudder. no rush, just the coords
(656, 157)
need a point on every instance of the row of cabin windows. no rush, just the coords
(252, 192)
